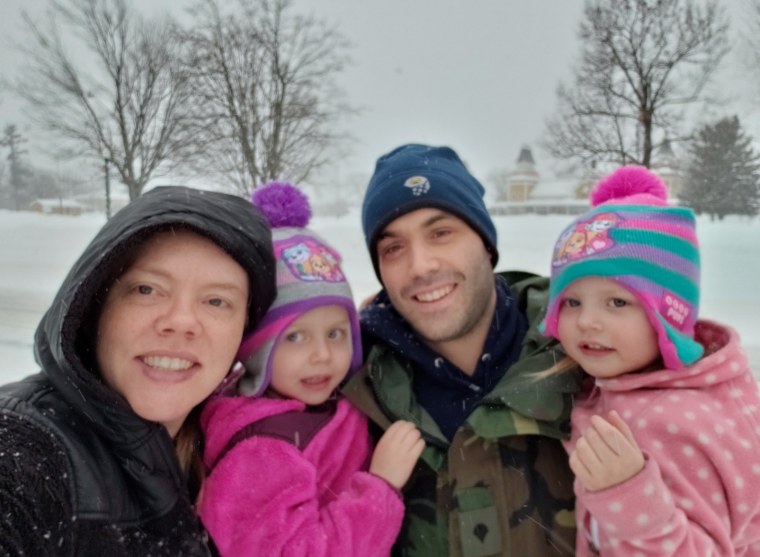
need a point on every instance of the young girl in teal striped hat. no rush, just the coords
(665, 440)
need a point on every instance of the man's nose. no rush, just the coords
(422, 259)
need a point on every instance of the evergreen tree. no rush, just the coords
(723, 175)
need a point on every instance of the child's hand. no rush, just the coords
(397, 452)
(606, 454)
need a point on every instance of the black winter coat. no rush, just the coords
(80, 473)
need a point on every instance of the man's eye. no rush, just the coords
(390, 249)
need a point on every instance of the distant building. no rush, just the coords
(668, 167)
(97, 201)
(524, 190)
(524, 177)
(591, 175)
(57, 206)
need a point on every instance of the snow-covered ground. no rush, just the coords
(37, 250)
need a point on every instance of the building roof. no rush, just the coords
(555, 188)
(48, 203)
(526, 156)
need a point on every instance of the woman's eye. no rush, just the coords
(571, 303)
(619, 302)
(144, 289)
(216, 302)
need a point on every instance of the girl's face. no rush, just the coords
(313, 355)
(171, 325)
(604, 328)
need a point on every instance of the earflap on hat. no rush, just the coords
(634, 237)
(678, 350)
(256, 353)
(671, 319)
(308, 276)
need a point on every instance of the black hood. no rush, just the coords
(64, 341)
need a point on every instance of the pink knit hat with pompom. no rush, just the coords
(634, 237)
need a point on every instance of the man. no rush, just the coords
(455, 349)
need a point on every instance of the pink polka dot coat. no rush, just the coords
(699, 428)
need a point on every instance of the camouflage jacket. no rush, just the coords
(502, 486)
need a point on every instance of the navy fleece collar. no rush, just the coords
(443, 389)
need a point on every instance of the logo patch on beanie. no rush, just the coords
(418, 184)
(587, 237)
(674, 310)
(309, 260)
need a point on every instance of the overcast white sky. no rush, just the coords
(479, 75)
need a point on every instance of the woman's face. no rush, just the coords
(171, 325)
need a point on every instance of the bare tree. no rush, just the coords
(266, 100)
(123, 100)
(643, 62)
(751, 43)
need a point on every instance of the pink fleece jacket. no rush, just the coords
(699, 429)
(266, 497)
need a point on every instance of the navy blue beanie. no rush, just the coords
(416, 176)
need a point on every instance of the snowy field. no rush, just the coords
(37, 250)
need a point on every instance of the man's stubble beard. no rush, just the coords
(459, 321)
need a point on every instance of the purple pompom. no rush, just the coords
(629, 181)
(283, 204)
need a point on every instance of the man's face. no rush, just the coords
(438, 275)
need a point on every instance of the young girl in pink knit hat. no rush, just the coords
(290, 466)
(665, 441)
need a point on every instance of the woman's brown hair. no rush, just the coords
(189, 446)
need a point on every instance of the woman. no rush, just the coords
(97, 451)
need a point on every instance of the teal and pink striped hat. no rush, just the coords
(634, 237)
(308, 276)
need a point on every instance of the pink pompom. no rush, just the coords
(629, 181)
(283, 204)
